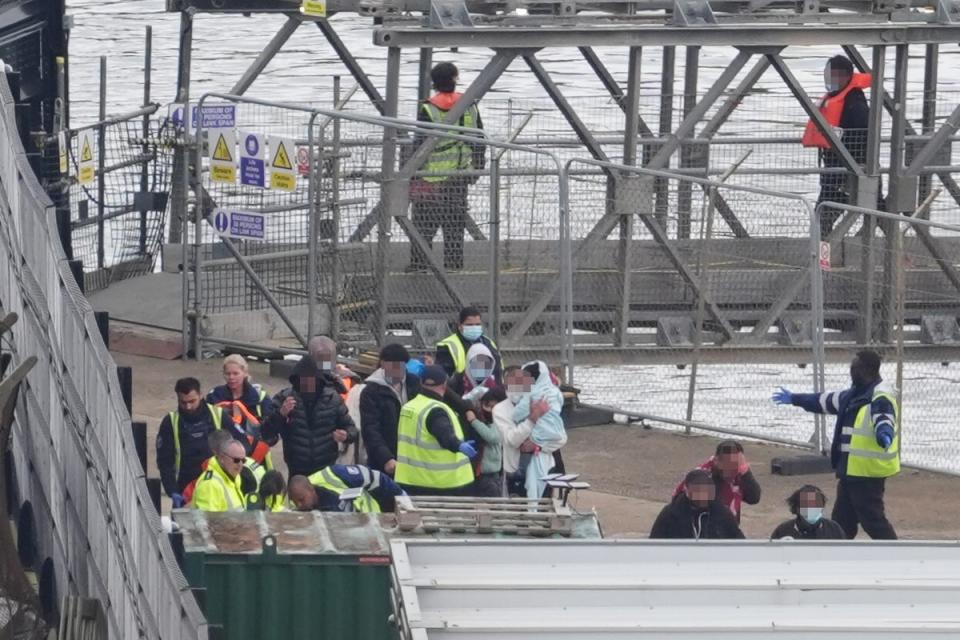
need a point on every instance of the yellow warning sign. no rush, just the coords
(86, 171)
(283, 181)
(86, 155)
(221, 151)
(316, 8)
(62, 146)
(281, 159)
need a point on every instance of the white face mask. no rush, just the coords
(516, 395)
(811, 514)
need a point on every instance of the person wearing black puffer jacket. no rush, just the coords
(696, 514)
(387, 389)
(311, 418)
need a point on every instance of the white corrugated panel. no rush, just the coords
(558, 590)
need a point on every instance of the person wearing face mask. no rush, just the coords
(866, 444)
(542, 406)
(516, 446)
(387, 389)
(732, 476)
(452, 350)
(182, 439)
(806, 504)
(489, 471)
(311, 419)
(845, 108)
(696, 514)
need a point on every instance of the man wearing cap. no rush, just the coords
(432, 457)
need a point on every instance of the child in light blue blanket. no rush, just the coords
(548, 432)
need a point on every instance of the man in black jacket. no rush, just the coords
(311, 418)
(854, 121)
(696, 514)
(182, 439)
(387, 389)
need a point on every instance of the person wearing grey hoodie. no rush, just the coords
(387, 389)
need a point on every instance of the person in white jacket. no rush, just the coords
(515, 436)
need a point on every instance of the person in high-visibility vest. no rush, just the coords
(182, 439)
(219, 488)
(452, 350)
(271, 495)
(247, 405)
(323, 490)
(866, 444)
(432, 456)
(845, 109)
(439, 195)
(251, 475)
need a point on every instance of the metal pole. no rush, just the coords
(632, 114)
(145, 168)
(897, 185)
(665, 125)
(493, 308)
(816, 310)
(424, 83)
(566, 276)
(101, 163)
(388, 168)
(869, 199)
(197, 311)
(929, 118)
(691, 72)
(179, 190)
(310, 282)
(335, 215)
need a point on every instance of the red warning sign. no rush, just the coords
(825, 255)
(303, 161)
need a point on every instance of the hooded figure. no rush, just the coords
(311, 418)
(548, 432)
(478, 378)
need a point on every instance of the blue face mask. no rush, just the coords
(811, 514)
(472, 332)
(480, 374)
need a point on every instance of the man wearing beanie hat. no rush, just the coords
(432, 457)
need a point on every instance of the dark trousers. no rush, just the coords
(860, 501)
(412, 490)
(445, 208)
(488, 485)
(831, 191)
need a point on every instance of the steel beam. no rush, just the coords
(424, 67)
(383, 211)
(352, 64)
(266, 55)
(755, 33)
(668, 67)
(608, 222)
(931, 64)
(631, 126)
(813, 112)
(612, 86)
(691, 72)
(946, 131)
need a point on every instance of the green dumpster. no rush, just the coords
(290, 576)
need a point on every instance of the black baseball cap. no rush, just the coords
(433, 375)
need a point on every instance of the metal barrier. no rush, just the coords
(73, 448)
(344, 218)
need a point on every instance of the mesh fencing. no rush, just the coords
(118, 218)
(401, 255)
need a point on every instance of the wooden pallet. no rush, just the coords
(516, 516)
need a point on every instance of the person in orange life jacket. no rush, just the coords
(695, 513)
(732, 476)
(311, 418)
(246, 404)
(440, 201)
(182, 439)
(806, 504)
(844, 107)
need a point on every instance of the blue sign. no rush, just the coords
(252, 169)
(242, 225)
(216, 116)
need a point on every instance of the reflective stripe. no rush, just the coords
(846, 431)
(423, 445)
(823, 402)
(876, 455)
(844, 447)
(436, 466)
(215, 414)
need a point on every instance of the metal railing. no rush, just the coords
(73, 448)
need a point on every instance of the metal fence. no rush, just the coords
(74, 454)
(379, 266)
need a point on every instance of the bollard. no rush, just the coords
(139, 430)
(153, 488)
(103, 324)
(76, 268)
(125, 375)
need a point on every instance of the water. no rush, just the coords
(302, 72)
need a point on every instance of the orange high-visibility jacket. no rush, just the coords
(832, 109)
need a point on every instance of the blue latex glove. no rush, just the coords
(884, 440)
(782, 396)
(179, 501)
(469, 449)
(415, 367)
